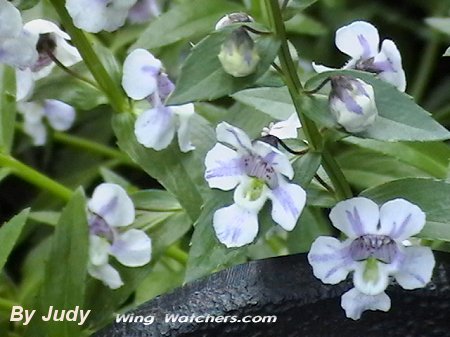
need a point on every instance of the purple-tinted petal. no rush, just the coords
(330, 259)
(235, 226)
(233, 136)
(355, 303)
(416, 267)
(288, 201)
(356, 217)
(132, 248)
(155, 128)
(107, 274)
(274, 157)
(223, 167)
(389, 62)
(359, 40)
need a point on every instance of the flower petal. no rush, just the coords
(37, 132)
(132, 248)
(389, 61)
(355, 217)
(373, 281)
(401, 219)
(416, 269)
(24, 84)
(19, 51)
(330, 259)
(277, 159)
(111, 202)
(59, 114)
(235, 226)
(66, 53)
(223, 167)
(98, 250)
(286, 129)
(140, 74)
(288, 201)
(107, 274)
(40, 26)
(184, 113)
(318, 68)
(10, 20)
(355, 303)
(233, 136)
(155, 128)
(143, 11)
(359, 40)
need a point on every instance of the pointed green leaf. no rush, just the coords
(7, 107)
(9, 233)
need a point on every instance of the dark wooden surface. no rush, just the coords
(286, 287)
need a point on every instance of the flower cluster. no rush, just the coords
(373, 250)
(111, 209)
(143, 78)
(257, 171)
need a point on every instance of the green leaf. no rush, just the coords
(9, 233)
(305, 167)
(207, 254)
(202, 76)
(190, 19)
(46, 217)
(110, 176)
(432, 196)
(431, 157)
(66, 270)
(275, 102)
(7, 107)
(165, 166)
(400, 119)
(303, 24)
(27, 4)
(440, 24)
(302, 4)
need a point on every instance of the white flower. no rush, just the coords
(360, 41)
(352, 103)
(111, 208)
(374, 250)
(59, 115)
(96, 15)
(286, 129)
(156, 127)
(143, 10)
(17, 46)
(52, 42)
(257, 171)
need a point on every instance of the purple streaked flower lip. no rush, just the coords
(374, 251)
(257, 171)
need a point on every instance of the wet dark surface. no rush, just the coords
(286, 287)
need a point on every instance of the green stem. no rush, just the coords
(92, 147)
(35, 177)
(177, 254)
(312, 134)
(426, 67)
(115, 95)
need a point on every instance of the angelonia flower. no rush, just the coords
(60, 117)
(360, 41)
(143, 10)
(375, 249)
(238, 54)
(286, 129)
(256, 171)
(51, 44)
(143, 78)
(96, 15)
(17, 45)
(110, 211)
(352, 103)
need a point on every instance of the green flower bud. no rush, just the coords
(238, 54)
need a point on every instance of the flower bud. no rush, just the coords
(352, 103)
(229, 19)
(238, 54)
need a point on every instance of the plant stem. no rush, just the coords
(312, 134)
(115, 95)
(177, 254)
(35, 177)
(92, 147)
(426, 67)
